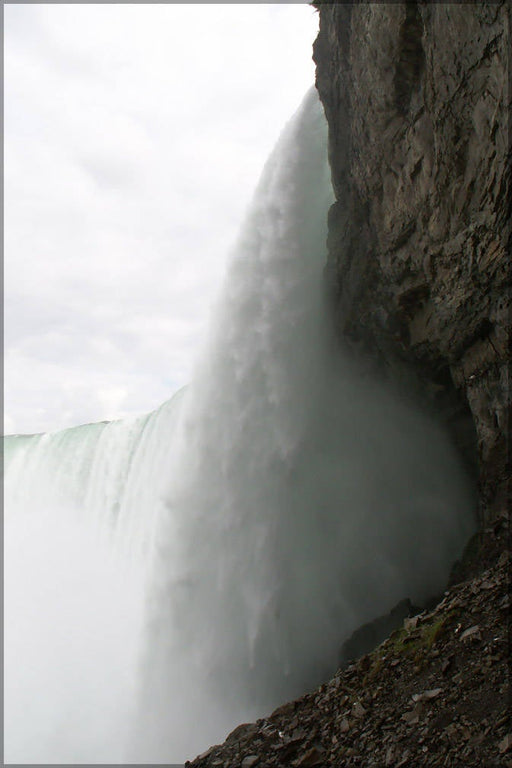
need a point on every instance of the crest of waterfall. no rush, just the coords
(174, 575)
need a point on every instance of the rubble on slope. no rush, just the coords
(435, 693)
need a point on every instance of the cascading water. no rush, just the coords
(304, 499)
(281, 500)
(80, 513)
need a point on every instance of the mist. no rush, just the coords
(306, 497)
(171, 576)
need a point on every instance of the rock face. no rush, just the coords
(369, 635)
(417, 104)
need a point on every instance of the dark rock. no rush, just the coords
(473, 633)
(250, 761)
(415, 99)
(242, 732)
(367, 637)
(312, 757)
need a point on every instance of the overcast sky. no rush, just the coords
(134, 139)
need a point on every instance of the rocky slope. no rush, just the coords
(417, 101)
(416, 97)
(436, 693)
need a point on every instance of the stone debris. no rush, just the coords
(414, 715)
(433, 695)
(410, 623)
(344, 726)
(250, 761)
(473, 633)
(358, 710)
(447, 665)
(312, 757)
(426, 695)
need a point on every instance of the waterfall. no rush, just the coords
(305, 498)
(81, 507)
(243, 531)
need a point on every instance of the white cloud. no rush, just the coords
(134, 137)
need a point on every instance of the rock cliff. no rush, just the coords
(417, 102)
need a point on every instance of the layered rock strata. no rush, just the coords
(416, 97)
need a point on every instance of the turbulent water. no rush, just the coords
(172, 576)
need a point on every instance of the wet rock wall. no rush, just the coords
(417, 101)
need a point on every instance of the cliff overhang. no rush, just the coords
(417, 103)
